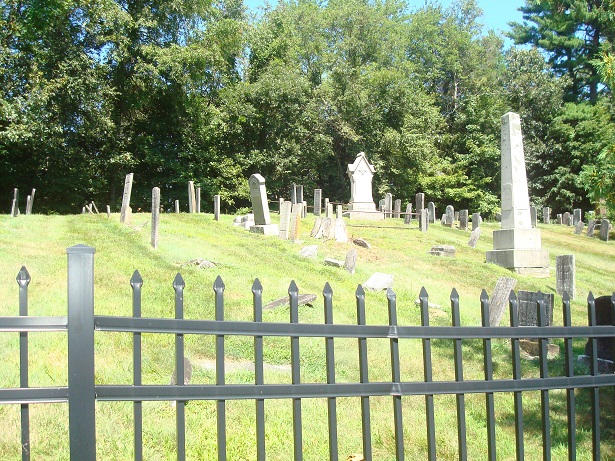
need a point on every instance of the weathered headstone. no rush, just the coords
(605, 228)
(326, 207)
(474, 236)
(155, 216)
(559, 219)
(28, 198)
(217, 207)
(450, 216)
(329, 210)
(309, 251)
(126, 197)
(198, 199)
(546, 215)
(533, 216)
(325, 229)
(463, 220)
(388, 205)
(591, 228)
(30, 202)
(338, 212)
(361, 205)
(378, 282)
(528, 311)
(351, 261)
(419, 201)
(565, 275)
(340, 231)
(578, 229)
(516, 245)
(317, 201)
(431, 207)
(177, 206)
(381, 206)
(567, 219)
(408, 215)
(108, 211)
(605, 345)
(15, 203)
(499, 300)
(424, 220)
(191, 198)
(443, 250)
(95, 207)
(284, 228)
(498, 217)
(293, 193)
(577, 216)
(260, 207)
(317, 226)
(304, 209)
(295, 222)
(334, 262)
(299, 189)
(397, 208)
(477, 220)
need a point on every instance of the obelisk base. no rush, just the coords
(519, 250)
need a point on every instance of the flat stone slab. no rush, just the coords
(309, 251)
(198, 262)
(303, 299)
(378, 282)
(334, 262)
(361, 242)
(443, 250)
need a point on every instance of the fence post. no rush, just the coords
(81, 393)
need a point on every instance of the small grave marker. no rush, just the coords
(408, 215)
(351, 261)
(474, 236)
(317, 201)
(155, 216)
(605, 228)
(431, 207)
(126, 198)
(591, 227)
(565, 275)
(499, 299)
(546, 215)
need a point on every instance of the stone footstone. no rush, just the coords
(302, 299)
(443, 250)
(378, 282)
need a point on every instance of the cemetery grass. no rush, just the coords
(40, 242)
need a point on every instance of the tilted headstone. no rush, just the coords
(351, 261)
(284, 228)
(95, 207)
(408, 215)
(315, 229)
(126, 197)
(533, 216)
(463, 220)
(191, 197)
(591, 228)
(155, 216)
(450, 216)
(89, 208)
(419, 201)
(578, 229)
(577, 216)
(30, 202)
(605, 228)
(474, 236)
(317, 202)
(431, 207)
(198, 199)
(528, 310)
(424, 220)
(397, 209)
(499, 300)
(546, 215)
(388, 205)
(477, 220)
(260, 207)
(565, 275)
(217, 207)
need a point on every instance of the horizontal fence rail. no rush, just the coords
(82, 392)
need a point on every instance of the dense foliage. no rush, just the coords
(199, 90)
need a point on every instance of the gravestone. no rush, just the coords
(30, 202)
(15, 203)
(315, 229)
(191, 197)
(309, 251)
(449, 216)
(424, 220)
(378, 282)
(381, 205)
(474, 236)
(388, 205)
(578, 229)
(217, 207)
(528, 311)
(499, 300)
(260, 207)
(559, 219)
(177, 206)
(126, 197)
(362, 205)
(533, 216)
(577, 216)
(565, 275)
(27, 204)
(325, 229)
(419, 201)
(155, 216)
(476, 221)
(463, 220)
(603, 317)
(293, 193)
(284, 228)
(351, 261)
(108, 211)
(198, 199)
(546, 215)
(567, 219)
(304, 209)
(498, 217)
(591, 227)
(317, 201)
(338, 212)
(443, 250)
(326, 207)
(408, 215)
(397, 209)
(299, 189)
(330, 210)
(605, 228)
(431, 207)
(295, 222)
(516, 246)
(340, 231)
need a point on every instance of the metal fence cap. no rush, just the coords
(80, 249)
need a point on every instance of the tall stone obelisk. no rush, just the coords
(516, 246)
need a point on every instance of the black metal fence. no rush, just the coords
(82, 393)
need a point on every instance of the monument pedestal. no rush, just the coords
(519, 250)
(265, 229)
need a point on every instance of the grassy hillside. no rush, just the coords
(39, 243)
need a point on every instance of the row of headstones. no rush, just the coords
(574, 219)
(15, 203)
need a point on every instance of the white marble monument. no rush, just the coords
(516, 246)
(260, 206)
(362, 204)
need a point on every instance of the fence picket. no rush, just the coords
(259, 379)
(136, 282)
(327, 294)
(23, 280)
(518, 395)
(488, 365)
(220, 372)
(569, 369)
(593, 369)
(460, 398)
(396, 377)
(364, 378)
